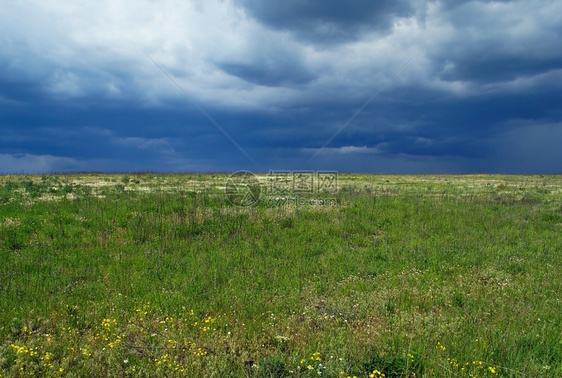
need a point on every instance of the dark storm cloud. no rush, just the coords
(268, 73)
(483, 92)
(14, 90)
(482, 68)
(272, 66)
(328, 21)
(495, 41)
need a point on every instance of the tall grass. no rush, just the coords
(159, 275)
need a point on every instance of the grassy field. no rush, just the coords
(402, 276)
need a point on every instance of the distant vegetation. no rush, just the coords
(159, 275)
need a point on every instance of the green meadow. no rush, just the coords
(399, 276)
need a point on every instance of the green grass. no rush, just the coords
(159, 275)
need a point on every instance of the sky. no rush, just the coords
(387, 86)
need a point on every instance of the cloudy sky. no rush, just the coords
(390, 86)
